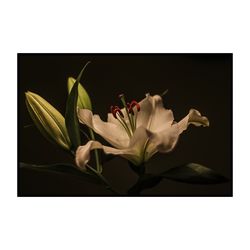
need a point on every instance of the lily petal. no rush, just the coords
(134, 152)
(138, 144)
(111, 132)
(136, 148)
(161, 118)
(153, 115)
(83, 153)
(146, 108)
(194, 117)
(163, 141)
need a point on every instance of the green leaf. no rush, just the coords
(144, 182)
(84, 101)
(71, 118)
(194, 173)
(63, 168)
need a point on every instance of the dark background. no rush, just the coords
(200, 81)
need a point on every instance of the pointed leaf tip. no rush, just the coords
(194, 173)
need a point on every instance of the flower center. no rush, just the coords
(128, 118)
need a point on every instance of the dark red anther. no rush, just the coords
(130, 110)
(134, 104)
(114, 111)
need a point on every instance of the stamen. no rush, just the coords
(117, 113)
(134, 114)
(135, 104)
(130, 110)
(124, 124)
(118, 110)
(115, 110)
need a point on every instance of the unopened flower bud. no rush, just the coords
(83, 101)
(48, 120)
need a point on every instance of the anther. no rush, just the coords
(134, 104)
(130, 110)
(115, 110)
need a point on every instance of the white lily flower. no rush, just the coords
(137, 131)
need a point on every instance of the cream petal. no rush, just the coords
(194, 117)
(142, 144)
(85, 116)
(135, 151)
(112, 119)
(146, 108)
(83, 153)
(163, 141)
(126, 153)
(111, 132)
(153, 115)
(161, 118)
(139, 137)
(114, 134)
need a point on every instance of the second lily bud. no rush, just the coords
(83, 101)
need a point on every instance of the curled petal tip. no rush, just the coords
(206, 122)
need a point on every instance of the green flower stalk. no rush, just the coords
(83, 101)
(48, 120)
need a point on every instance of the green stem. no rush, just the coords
(97, 160)
(104, 180)
(109, 187)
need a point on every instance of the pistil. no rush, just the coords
(122, 97)
(131, 111)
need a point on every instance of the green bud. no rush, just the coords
(48, 120)
(83, 101)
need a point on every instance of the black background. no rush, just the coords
(200, 81)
